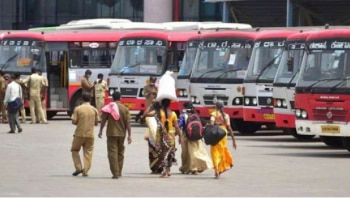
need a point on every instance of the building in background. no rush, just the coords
(24, 14)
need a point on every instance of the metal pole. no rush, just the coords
(224, 12)
(289, 15)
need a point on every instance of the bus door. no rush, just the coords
(57, 74)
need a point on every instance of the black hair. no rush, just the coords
(2, 72)
(88, 72)
(116, 96)
(189, 107)
(100, 75)
(220, 106)
(165, 105)
(86, 97)
(16, 75)
(34, 70)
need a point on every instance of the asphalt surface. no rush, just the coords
(38, 163)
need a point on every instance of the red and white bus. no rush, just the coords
(263, 65)
(218, 73)
(63, 57)
(322, 99)
(284, 84)
(142, 54)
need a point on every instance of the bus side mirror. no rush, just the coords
(290, 64)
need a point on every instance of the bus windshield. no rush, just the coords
(265, 60)
(219, 59)
(140, 59)
(21, 55)
(329, 65)
(188, 59)
(289, 66)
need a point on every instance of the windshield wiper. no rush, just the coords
(128, 67)
(4, 66)
(210, 71)
(336, 85)
(269, 64)
(226, 71)
(318, 81)
(292, 78)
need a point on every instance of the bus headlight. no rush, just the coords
(297, 113)
(255, 102)
(246, 101)
(181, 93)
(237, 101)
(284, 103)
(304, 114)
(279, 103)
(197, 101)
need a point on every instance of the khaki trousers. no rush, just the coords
(88, 147)
(100, 102)
(116, 148)
(35, 104)
(3, 110)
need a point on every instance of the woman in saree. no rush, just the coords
(195, 158)
(221, 156)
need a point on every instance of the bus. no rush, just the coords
(143, 54)
(63, 57)
(323, 87)
(284, 84)
(262, 68)
(218, 73)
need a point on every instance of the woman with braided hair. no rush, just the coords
(168, 129)
(221, 156)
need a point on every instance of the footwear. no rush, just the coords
(115, 177)
(217, 175)
(20, 130)
(165, 175)
(44, 122)
(76, 173)
(195, 172)
(11, 132)
(85, 175)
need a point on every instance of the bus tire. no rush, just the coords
(244, 127)
(75, 101)
(50, 114)
(293, 132)
(346, 142)
(332, 141)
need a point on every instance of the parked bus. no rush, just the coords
(218, 73)
(143, 54)
(284, 84)
(63, 57)
(323, 87)
(266, 56)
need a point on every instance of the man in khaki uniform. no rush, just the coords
(43, 95)
(116, 133)
(85, 118)
(100, 92)
(35, 83)
(2, 96)
(23, 89)
(86, 85)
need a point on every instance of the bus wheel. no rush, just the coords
(75, 101)
(346, 142)
(293, 132)
(244, 127)
(332, 141)
(50, 114)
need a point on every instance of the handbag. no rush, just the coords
(213, 134)
(14, 106)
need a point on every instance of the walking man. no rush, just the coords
(117, 117)
(100, 91)
(22, 110)
(13, 91)
(85, 118)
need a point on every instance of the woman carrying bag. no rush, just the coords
(220, 154)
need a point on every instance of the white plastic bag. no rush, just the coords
(166, 88)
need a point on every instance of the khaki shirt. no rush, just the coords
(150, 93)
(86, 117)
(35, 82)
(117, 128)
(2, 87)
(101, 88)
(45, 81)
(85, 85)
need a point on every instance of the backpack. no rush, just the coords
(194, 127)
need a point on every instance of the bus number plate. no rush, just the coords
(130, 105)
(330, 129)
(269, 116)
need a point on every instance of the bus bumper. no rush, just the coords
(263, 115)
(285, 120)
(305, 127)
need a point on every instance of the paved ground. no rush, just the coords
(37, 163)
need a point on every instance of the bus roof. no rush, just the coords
(326, 34)
(161, 34)
(274, 34)
(107, 25)
(229, 34)
(24, 34)
(97, 20)
(75, 36)
(299, 36)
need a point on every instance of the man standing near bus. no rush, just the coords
(2, 96)
(86, 85)
(100, 91)
(35, 83)
(43, 94)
